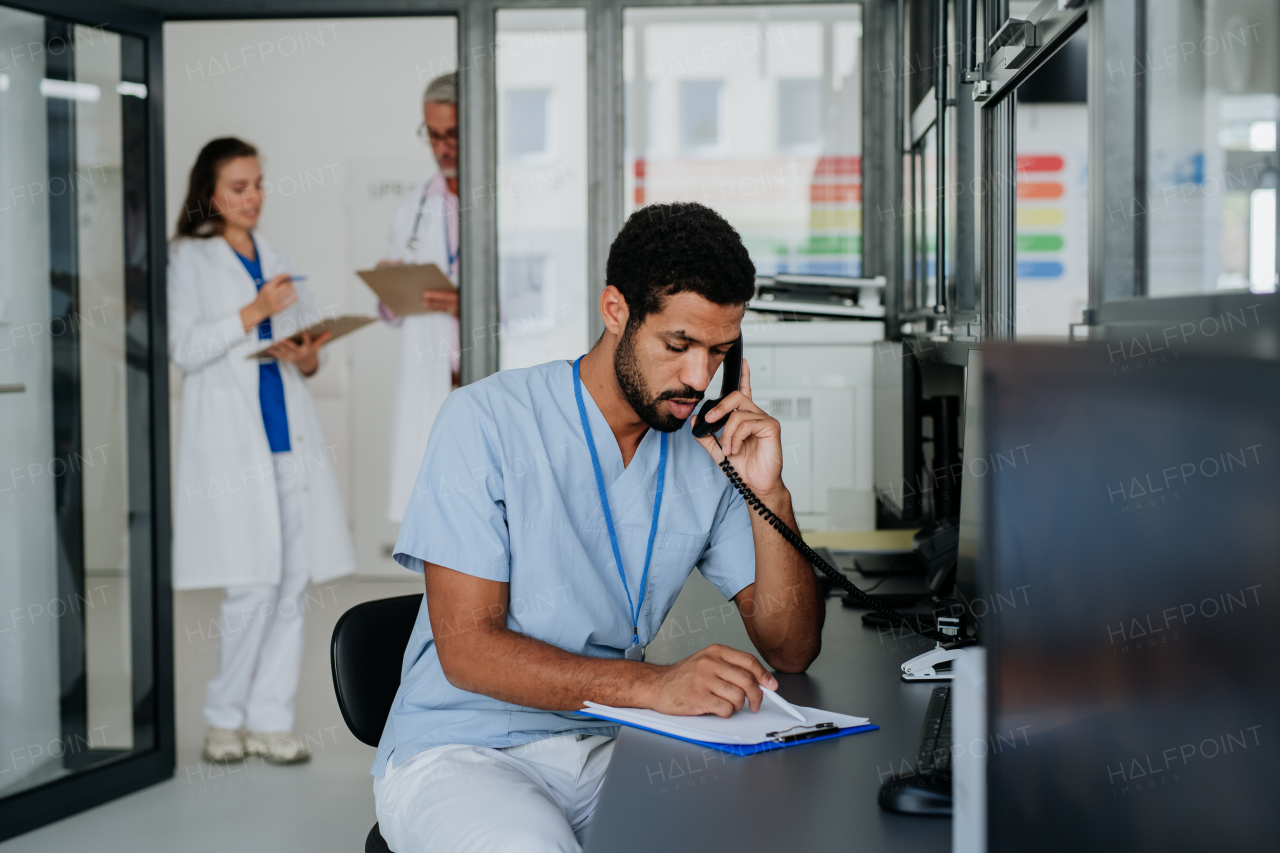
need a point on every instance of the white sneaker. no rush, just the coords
(223, 745)
(276, 747)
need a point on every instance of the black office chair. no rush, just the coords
(366, 653)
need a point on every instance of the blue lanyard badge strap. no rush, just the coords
(412, 243)
(636, 652)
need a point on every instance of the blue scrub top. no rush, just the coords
(270, 383)
(507, 492)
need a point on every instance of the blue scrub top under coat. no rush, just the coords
(270, 384)
(507, 492)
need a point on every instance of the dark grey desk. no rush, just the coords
(662, 794)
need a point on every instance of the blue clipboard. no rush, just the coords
(741, 749)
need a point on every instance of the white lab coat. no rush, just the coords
(428, 348)
(226, 517)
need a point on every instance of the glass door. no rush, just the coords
(78, 603)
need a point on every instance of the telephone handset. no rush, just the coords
(729, 383)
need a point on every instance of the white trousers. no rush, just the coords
(261, 625)
(533, 798)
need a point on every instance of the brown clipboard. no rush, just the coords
(400, 286)
(337, 326)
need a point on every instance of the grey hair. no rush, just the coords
(442, 90)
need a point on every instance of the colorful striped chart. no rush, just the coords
(835, 218)
(796, 214)
(1040, 216)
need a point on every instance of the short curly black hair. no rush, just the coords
(665, 249)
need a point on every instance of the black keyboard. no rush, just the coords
(927, 791)
(934, 755)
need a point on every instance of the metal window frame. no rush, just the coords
(1117, 115)
(59, 798)
(1118, 309)
(1120, 312)
(957, 300)
(477, 31)
(1001, 73)
(882, 143)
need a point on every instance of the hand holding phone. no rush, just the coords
(754, 441)
(729, 383)
(747, 434)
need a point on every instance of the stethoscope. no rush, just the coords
(412, 243)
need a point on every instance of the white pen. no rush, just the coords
(782, 703)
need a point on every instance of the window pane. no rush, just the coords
(526, 124)
(1211, 182)
(927, 213)
(75, 510)
(699, 114)
(799, 112)
(755, 112)
(542, 185)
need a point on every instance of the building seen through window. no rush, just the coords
(755, 112)
(541, 191)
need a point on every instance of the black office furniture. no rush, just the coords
(926, 790)
(366, 654)
(934, 753)
(665, 794)
(1130, 560)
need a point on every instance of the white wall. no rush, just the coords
(333, 106)
(1047, 301)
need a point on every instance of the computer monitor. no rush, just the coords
(896, 408)
(1133, 660)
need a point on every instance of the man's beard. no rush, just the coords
(626, 367)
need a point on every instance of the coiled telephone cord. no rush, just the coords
(900, 620)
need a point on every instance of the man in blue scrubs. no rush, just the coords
(557, 513)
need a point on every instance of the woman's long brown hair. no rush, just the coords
(198, 218)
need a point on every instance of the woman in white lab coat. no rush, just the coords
(256, 503)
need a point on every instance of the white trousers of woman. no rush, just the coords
(261, 643)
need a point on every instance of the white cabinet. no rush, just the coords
(816, 379)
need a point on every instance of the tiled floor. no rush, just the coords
(325, 805)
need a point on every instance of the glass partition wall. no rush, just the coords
(1212, 181)
(81, 691)
(1125, 168)
(541, 73)
(756, 108)
(1182, 200)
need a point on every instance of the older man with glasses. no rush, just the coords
(425, 231)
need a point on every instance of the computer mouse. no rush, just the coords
(918, 795)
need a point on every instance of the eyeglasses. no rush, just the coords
(449, 137)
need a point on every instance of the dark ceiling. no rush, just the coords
(221, 9)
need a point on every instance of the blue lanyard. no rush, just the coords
(412, 243)
(264, 328)
(448, 246)
(632, 610)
